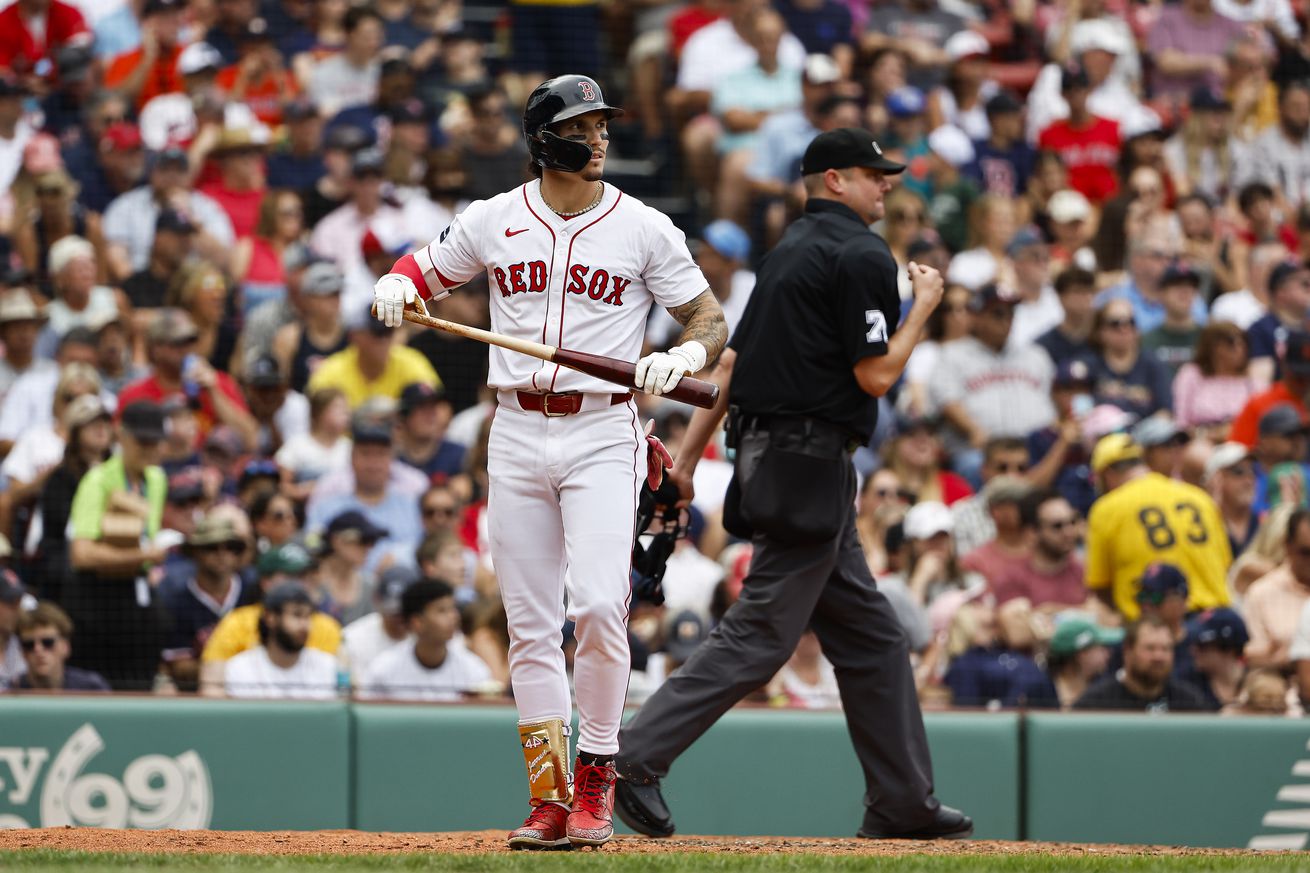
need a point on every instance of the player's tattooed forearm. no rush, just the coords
(702, 321)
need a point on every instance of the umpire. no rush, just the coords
(817, 344)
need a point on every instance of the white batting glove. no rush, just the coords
(660, 372)
(390, 295)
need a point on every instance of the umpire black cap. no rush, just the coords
(846, 147)
(557, 100)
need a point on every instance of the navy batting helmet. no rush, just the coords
(557, 100)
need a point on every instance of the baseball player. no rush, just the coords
(572, 261)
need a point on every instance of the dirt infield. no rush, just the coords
(482, 842)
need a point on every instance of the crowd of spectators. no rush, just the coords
(221, 476)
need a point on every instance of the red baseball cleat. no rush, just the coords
(545, 828)
(591, 823)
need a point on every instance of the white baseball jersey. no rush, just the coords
(585, 283)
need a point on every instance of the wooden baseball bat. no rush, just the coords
(697, 392)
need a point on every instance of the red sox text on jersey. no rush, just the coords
(530, 277)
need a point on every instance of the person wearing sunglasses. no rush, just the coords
(1003, 457)
(1123, 375)
(1150, 254)
(44, 634)
(217, 587)
(1052, 577)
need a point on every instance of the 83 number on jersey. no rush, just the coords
(1160, 533)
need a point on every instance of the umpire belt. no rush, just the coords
(820, 437)
(556, 405)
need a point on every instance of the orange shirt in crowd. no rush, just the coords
(162, 78)
(265, 96)
(1246, 426)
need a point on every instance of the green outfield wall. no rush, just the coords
(159, 763)
(152, 763)
(755, 772)
(1176, 780)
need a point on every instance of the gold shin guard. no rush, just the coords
(546, 754)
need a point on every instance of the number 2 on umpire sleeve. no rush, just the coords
(877, 326)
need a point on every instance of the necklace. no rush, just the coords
(600, 193)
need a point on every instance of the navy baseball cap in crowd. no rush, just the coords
(367, 162)
(906, 101)
(1004, 102)
(411, 111)
(1072, 78)
(11, 590)
(991, 294)
(256, 30)
(686, 631)
(258, 468)
(1296, 353)
(843, 148)
(391, 587)
(1180, 273)
(923, 244)
(174, 221)
(144, 420)
(417, 394)
(299, 109)
(347, 138)
(1071, 373)
(10, 85)
(186, 486)
(1207, 99)
(1160, 579)
(286, 594)
(1222, 628)
(1281, 420)
(154, 7)
(169, 157)
(355, 521)
(371, 433)
(1284, 271)
(265, 372)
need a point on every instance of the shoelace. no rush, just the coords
(540, 815)
(589, 791)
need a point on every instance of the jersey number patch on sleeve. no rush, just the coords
(877, 326)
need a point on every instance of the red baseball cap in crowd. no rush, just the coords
(121, 136)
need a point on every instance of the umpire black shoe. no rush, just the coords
(642, 808)
(950, 824)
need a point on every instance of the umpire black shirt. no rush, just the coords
(825, 298)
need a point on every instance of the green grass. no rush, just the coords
(94, 862)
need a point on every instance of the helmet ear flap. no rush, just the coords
(554, 152)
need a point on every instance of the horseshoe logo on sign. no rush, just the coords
(588, 92)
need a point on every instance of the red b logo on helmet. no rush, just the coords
(588, 92)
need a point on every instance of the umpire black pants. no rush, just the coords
(826, 587)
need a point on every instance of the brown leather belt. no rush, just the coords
(553, 405)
